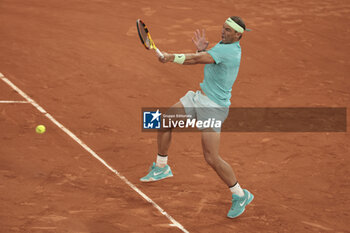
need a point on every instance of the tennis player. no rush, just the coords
(220, 72)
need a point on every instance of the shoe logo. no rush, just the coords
(157, 173)
(242, 203)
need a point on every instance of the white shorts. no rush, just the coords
(202, 108)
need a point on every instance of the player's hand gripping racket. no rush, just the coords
(145, 37)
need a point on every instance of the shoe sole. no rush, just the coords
(153, 180)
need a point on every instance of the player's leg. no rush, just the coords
(164, 135)
(160, 169)
(210, 145)
(240, 197)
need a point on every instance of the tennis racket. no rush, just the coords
(145, 37)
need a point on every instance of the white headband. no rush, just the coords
(234, 25)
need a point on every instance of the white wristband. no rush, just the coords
(179, 58)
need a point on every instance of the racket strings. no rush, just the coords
(143, 32)
(145, 35)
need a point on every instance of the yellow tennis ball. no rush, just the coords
(40, 129)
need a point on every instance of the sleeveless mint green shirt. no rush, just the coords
(220, 76)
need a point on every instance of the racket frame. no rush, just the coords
(139, 23)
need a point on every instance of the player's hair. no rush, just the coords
(240, 22)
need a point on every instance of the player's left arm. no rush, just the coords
(190, 58)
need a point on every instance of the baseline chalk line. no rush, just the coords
(13, 102)
(83, 145)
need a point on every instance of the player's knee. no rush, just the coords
(210, 158)
(163, 130)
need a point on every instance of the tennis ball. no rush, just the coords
(40, 129)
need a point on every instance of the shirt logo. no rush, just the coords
(151, 120)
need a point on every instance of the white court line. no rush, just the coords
(13, 101)
(82, 144)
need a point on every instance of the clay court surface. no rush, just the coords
(83, 63)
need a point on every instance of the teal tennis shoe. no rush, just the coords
(157, 173)
(239, 204)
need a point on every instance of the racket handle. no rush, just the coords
(159, 53)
